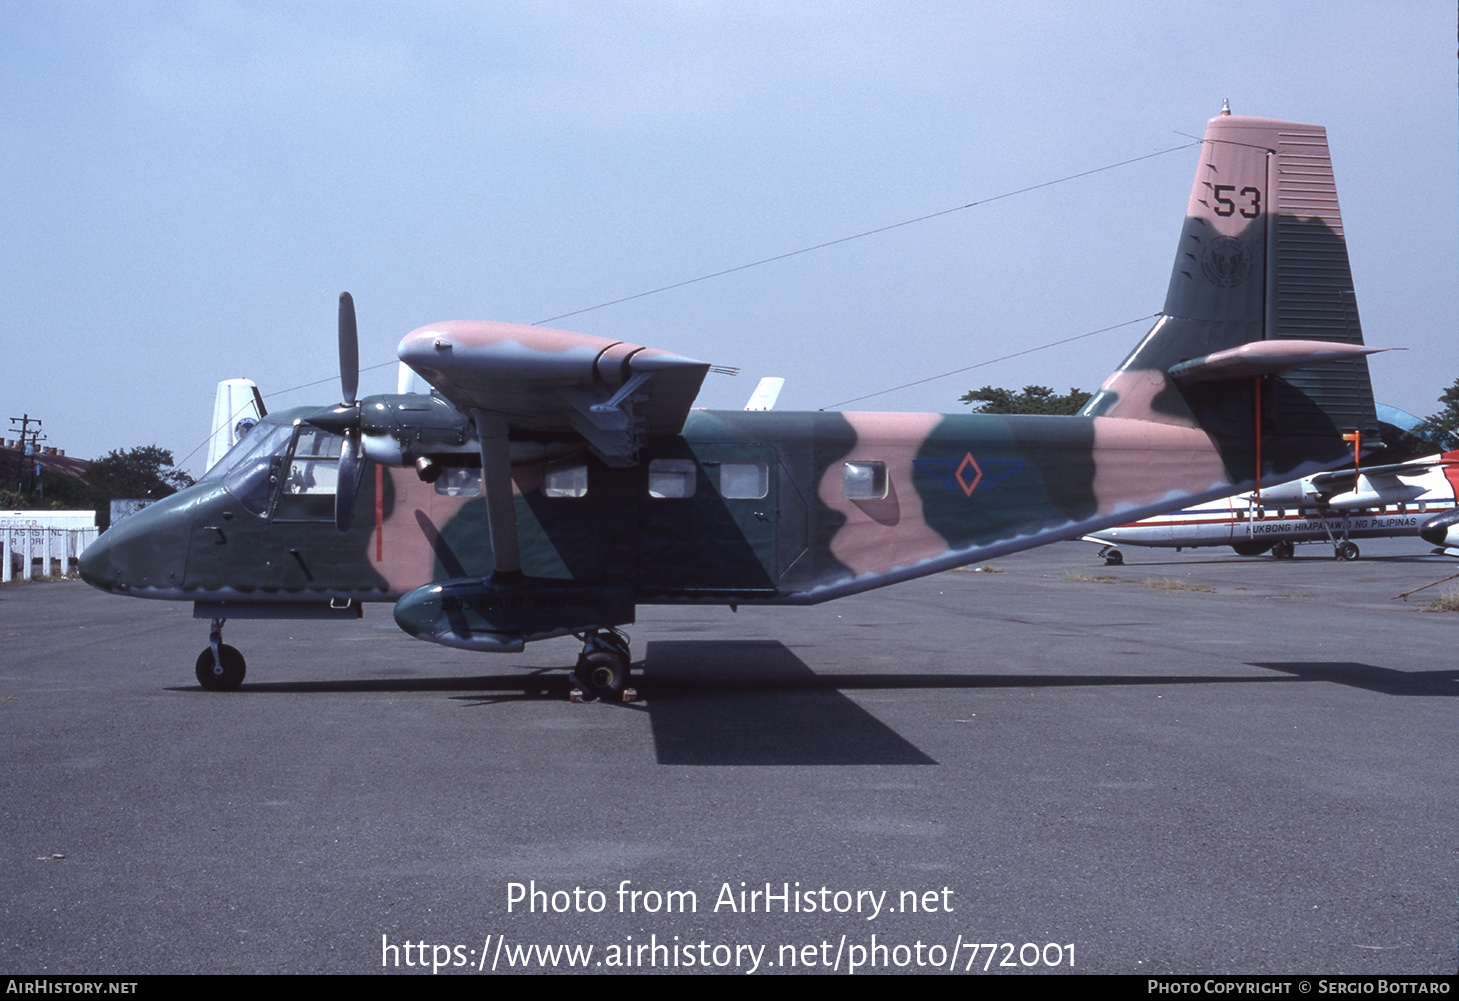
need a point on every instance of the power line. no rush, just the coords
(869, 232)
(991, 361)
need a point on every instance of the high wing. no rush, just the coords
(1364, 487)
(613, 394)
(514, 378)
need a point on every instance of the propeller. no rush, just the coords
(344, 418)
(349, 380)
(349, 349)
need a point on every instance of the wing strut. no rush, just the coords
(501, 508)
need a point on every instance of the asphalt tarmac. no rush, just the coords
(1193, 764)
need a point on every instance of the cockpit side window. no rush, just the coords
(308, 489)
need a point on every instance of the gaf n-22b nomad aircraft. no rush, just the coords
(551, 482)
(1377, 502)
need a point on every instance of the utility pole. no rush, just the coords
(29, 444)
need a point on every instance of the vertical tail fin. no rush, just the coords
(1262, 262)
(237, 406)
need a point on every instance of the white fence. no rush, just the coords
(26, 553)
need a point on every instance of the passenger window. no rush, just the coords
(457, 482)
(565, 479)
(864, 480)
(671, 477)
(747, 480)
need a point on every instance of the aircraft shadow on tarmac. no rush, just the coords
(754, 702)
(1383, 680)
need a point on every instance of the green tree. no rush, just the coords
(1031, 400)
(1443, 427)
(145, 472)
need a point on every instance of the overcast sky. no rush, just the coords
(189, 186)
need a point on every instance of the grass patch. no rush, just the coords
(1164, 584)
(54, 578)
(1448, 602)
(1171, 584)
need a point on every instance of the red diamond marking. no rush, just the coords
(962, 475)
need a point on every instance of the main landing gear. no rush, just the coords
(220, 668)
(602, 668)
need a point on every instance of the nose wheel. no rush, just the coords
(220, 667)
(602, 669)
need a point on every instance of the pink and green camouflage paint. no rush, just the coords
(622, 495)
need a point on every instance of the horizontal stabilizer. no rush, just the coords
(1265, 358)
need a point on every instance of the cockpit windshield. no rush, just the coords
(285, 471)
(251, 467)
(240, 448)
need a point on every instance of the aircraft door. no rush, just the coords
(713, 519)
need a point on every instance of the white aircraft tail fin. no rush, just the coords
(766, 393)
(237, 407)
(406, 381)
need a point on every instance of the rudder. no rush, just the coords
(1263, 262)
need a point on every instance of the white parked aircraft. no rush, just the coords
(1405, 498)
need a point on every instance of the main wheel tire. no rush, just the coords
(1114, 558)
(220, 679)
(1347, 551)
(603, 674)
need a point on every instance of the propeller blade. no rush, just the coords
(349, 476)
(349, 349)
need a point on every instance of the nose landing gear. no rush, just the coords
(220, 668)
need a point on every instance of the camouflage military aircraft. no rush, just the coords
(553, 481)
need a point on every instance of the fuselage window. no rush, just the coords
(864, 480)
(671, 477)
(565, 479)
(457, 482)
(747, 480)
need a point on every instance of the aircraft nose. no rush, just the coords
(1436, 530)
(144, 552)
(96, 563)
